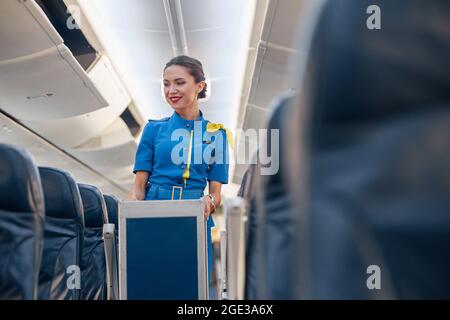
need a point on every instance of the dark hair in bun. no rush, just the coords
(194, 67)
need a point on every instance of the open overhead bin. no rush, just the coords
(39, 76)
(73, 131)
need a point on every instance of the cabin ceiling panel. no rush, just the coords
(214, 48)
(144, 53)
(206, 14)
(131, 14)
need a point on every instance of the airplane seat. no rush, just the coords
(60, 277)
(111, 239)
(112, 205)
(93, 264)
(371, 129)
(276, 214)
(269, 234)
(21, 224)
(247, 192)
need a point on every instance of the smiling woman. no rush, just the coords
(177, 71)
(158, 176)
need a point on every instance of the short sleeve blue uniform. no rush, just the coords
(181, 156)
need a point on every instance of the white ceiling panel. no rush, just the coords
(131, 14)
(147, 52)
(219, 45)
(200, 14)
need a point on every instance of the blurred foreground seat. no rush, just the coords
(270, 239)
(369, 154)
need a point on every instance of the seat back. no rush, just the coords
(21, 224)
(270, 235)
(93, 264)
(372, 131)
(60, 277)
(112, 206)
(110, 236)
(235, 247)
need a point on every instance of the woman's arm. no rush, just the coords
(214, 190)
(140, 183)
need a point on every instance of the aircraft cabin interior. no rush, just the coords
(224, 150)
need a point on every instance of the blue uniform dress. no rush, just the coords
(172, 146)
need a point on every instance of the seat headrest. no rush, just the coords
(20, 183)
(94, 206)
(62, 197)
(112, 204)
(401, 70)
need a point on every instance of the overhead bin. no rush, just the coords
(74, 131)
(63, 21)
(24, 30)
(39, 77)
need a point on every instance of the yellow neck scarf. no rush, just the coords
(213, 127)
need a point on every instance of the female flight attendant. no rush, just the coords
(179, 154)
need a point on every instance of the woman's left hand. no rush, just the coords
(208, 206)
